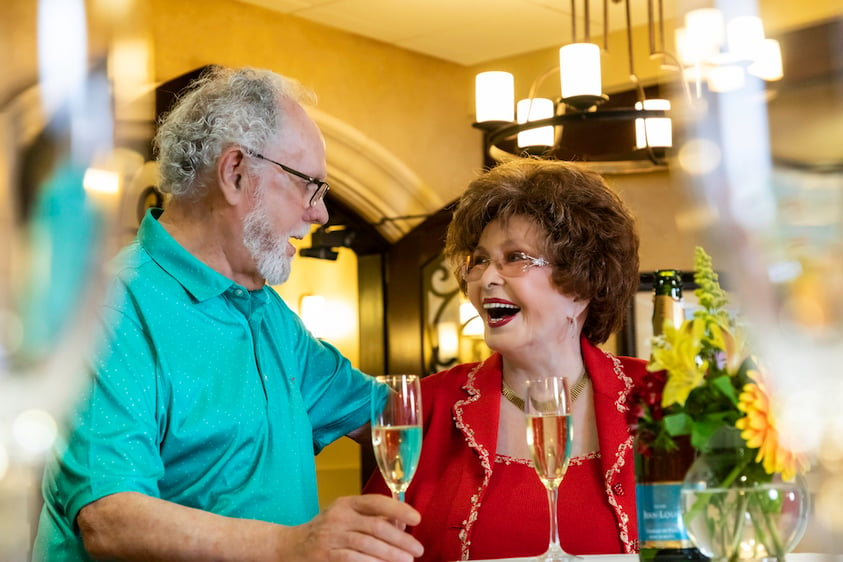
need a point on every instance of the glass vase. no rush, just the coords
(733, 511)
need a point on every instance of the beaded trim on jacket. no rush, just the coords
(621, 403)
(468, 432)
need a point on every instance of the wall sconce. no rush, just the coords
(470, 321)
(449, 340)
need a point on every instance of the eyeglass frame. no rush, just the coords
(530, 262)
(322, 187)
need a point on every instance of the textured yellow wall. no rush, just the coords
(419, 108)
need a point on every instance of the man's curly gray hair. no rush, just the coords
(223, 107)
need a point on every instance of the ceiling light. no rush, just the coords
(711, 53)
(540, 120)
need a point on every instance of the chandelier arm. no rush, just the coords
(573, 21)
(651, 30)
(629, 39)
(538, 81)
(606, 25)
(586, 22)
(685, 88)
(508, 130)
(639, 89)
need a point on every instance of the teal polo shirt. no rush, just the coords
(204, 394)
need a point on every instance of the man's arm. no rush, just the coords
(131, 526)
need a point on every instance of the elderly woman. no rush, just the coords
(547, 254)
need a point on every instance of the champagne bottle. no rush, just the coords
(667, 300)
(661, 532)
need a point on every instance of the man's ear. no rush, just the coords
(231, 174)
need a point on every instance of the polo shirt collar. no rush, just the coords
(198, 279)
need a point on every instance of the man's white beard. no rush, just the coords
(268, 250)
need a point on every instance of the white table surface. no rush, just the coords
(792, 557)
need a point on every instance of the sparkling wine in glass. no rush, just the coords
(549, 436)
(397, 430)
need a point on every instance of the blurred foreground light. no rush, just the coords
(101, 181)
(4, 461)
(62, 49)
(11, 333)
(726, 78)
(800, 425)
(831, 452)
(784, 271)
(697, 218)
(830, 502)
(35, 431)
(699, 157)
(745, 35)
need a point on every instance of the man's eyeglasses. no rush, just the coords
(322, 187)
(515, 264)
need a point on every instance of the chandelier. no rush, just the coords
(714, 52)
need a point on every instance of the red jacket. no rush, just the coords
(461, 412)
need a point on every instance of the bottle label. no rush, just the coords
(660, 517)
(666, 308)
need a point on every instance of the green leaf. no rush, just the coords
(724, 385)
(703, 430)
(678, 424)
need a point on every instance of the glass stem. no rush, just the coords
(553, 500)
(400, 497)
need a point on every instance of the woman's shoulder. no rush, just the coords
(632, 363)
(632, 367)
(452, 377)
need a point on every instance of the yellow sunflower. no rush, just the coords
(758, 429)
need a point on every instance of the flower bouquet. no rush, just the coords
(703, 383)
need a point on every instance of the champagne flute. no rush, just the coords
(397, 430)
(549, 437)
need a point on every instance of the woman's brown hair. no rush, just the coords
(592, 239)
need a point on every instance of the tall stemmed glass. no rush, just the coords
(549, 436)
(397, 430)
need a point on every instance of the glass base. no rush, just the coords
(556, 554)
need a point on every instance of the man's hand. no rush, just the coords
(365, 528)
(131, 526)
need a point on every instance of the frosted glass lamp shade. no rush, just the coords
(494, 97)
(533, 110)
(768, 62)
(705, 33)
(745, 36)
(727, 78)
(579, 69)
(655, 132)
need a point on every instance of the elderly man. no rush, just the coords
(209, 397)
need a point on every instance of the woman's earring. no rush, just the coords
(572, 326)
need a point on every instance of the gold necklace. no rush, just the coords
(518, 402)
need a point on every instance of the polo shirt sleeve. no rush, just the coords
(337, 396)
(114, 436)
